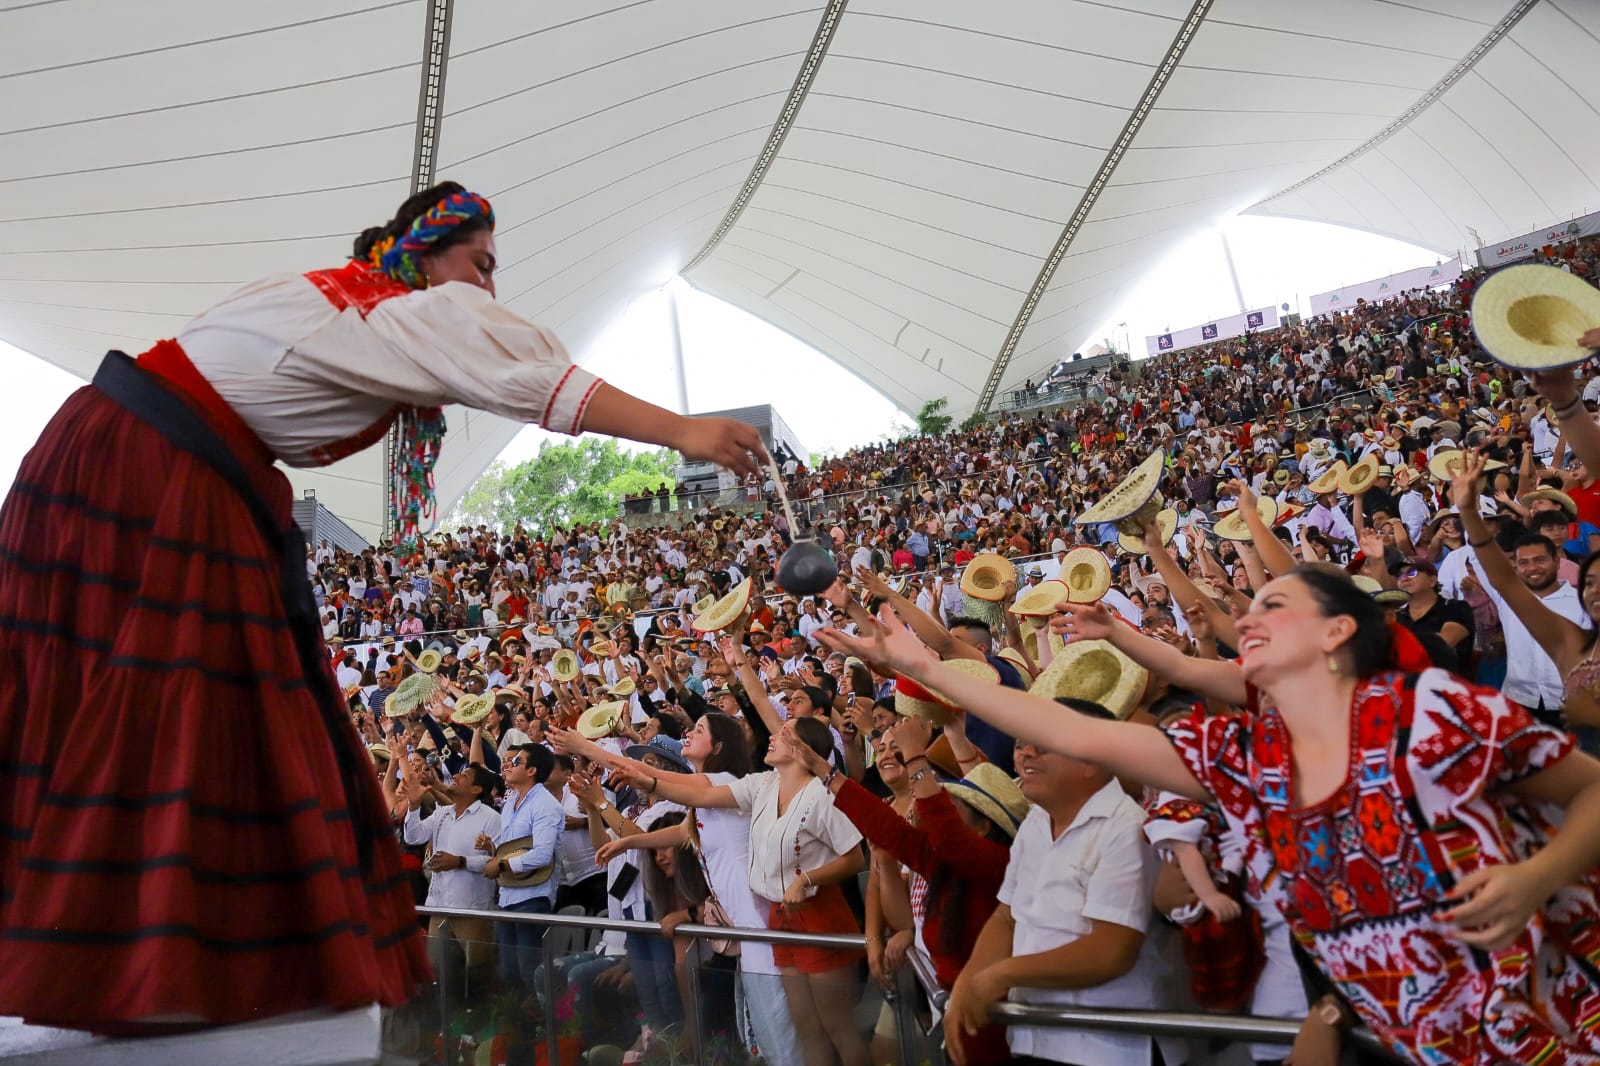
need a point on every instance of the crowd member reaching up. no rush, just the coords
(1465, 863)
(801, 848)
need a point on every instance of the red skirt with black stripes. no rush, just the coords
(176, 843)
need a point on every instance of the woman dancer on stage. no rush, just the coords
(211, 847)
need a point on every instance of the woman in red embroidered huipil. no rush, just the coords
(1407, 816)
(211, 847)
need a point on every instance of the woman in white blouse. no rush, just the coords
(801, 849)
(172, 582)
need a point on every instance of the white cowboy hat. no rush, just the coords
(1530, 317)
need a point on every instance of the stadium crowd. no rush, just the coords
(638, 721)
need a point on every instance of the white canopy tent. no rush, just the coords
(944, 197)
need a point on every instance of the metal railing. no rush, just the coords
(915, 980)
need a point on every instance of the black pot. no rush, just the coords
(806, 569)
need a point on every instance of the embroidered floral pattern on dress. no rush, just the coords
(1366, 870)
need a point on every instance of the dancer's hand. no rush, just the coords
(724, 441)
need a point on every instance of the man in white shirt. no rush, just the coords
(452, 832)
(1532, 678)
(1073, 916)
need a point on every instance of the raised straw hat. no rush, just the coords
(1017, 659)
(986, 575)
(1530, 317)
(1232, 526)
(600, 719)
(428, 662)
(1361, 477)
(911, 700)
(1129, 495)
(626, 687)
(974, 668)
(1041, 599)
(470, 710)
(413, 692)
(726, 611)
(1133, 543)
(1446, 464)
(1329, 479)
(564, 665)
(1094, 670)
(1086, 574)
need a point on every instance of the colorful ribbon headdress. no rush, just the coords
(421, 430)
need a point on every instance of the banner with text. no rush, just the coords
(1220, 330)
(1380, 289)
(1513, 248)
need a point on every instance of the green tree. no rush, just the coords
(931, 420)
(972, 422)
(574, 481)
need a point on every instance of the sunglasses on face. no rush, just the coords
(516, 760)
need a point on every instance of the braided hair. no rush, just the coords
(431, 221)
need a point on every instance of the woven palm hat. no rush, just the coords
(564, 665)
(625, 687)
(703, 604)
(511, 692)
(1446, 463)
(1094, 670)
(470, 710)
(601, 719)
(1232, 526)
(1129, 494)
(991, 792)
(911, 700)
(413, 692)
(1329, 480)
(1031, 628)
(600, 649)
(1556, 496)
(1167, 520)
(1360, 477)
(1017, 659)
(1041, 599)
(726, 611)
(1086, 574)
(986, 575)
(1530, 317)
(428, 662)
(974, 668)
